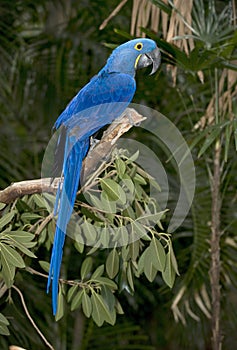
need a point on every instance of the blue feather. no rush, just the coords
(102, 100)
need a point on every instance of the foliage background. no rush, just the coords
(49, 50)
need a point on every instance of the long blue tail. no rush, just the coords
(67, 195)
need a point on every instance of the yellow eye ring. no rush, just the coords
(138, 46)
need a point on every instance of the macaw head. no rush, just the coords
(132, 55)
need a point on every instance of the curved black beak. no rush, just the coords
(152, 57)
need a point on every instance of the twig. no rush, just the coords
(44, 223)
(61, 280)
(31, 319)
(100, 151)
(113, 14)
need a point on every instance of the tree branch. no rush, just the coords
(215, 252)
(100, 151)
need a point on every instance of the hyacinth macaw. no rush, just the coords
(98, 103)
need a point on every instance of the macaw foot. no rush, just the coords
(93, 143)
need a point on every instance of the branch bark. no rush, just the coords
(100, 151)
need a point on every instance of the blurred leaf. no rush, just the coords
(209, 140)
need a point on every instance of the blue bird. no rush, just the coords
(98, 103)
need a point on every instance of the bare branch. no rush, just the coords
(31, 319)
(113, 14)
(100, 151)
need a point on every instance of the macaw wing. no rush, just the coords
(102, 89)
(101, 101)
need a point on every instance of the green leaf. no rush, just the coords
(90, 233)
(119, 308)
(8, 270)
(100, 307)
(98, 272)
(86, 304)
(121, 236)
(4, 330)
(125, 253)
(106, 281)
(20, 246)
(158, 256)
(23, 237)
(120, 166)
(39, 200)
(86, 267)
(95, 201)
(112, 263)
(28, 217)
(11, 255)
(168, 274)
(141, 263)
(104, 237)
(108, 297)
(3, 325)
(149, 270)
(97, 315)
(113, 190)
(2, 206)
(134, 249)
(133, 157)
(45, 265)
(3, 320)
(173, 260)
(139, 179)
(129, 276)
(7, 218)
(77, 300)
(128, 186)
(60, 309)
(79, 247)
(138, 231)
(107, 204)
(71, 292)
(152, 218)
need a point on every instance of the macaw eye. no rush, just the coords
(138, 46)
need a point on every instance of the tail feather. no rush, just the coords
(66, 198)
